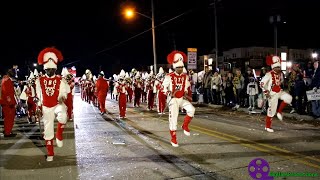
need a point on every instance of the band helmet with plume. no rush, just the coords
(49, 58)
(177, 58)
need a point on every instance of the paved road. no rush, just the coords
(221, 145)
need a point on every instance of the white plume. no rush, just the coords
(35, 73)
(122, 73)
(161, 71)
(31, 76)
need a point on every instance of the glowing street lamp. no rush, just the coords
(129, 13)
(314, 55)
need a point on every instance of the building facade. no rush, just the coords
(262, 52)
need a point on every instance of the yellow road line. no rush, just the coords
(208, 132)
(261, 144)
(254, 145)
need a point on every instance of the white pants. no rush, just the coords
(273, 101)
(58, 112)
(174, 105)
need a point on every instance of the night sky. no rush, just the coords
(94, 34)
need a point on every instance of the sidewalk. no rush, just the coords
(293, 116)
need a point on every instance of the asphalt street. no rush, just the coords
(221, 146)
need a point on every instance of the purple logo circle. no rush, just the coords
(259, 169)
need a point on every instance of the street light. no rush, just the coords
(35, 64)
(129, 12)
(314, 55)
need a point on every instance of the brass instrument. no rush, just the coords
(69, 77)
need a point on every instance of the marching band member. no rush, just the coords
(69, 101)
(161, 96)
(28, 94)
(149, 90)
(176, 86)
(89, 86)
(129, 85)
(138, 88)
(144, 88)
(121, 89)
(102, 87)
(82, 86)
(9, 102)
(52, 90)
(271, 86)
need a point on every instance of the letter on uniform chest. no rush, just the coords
(50, 86)
(276, 79)
(178, 82)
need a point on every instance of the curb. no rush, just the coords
(293, 116)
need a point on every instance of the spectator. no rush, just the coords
(308, 72)
(291, 84)
(238, 84)
(229, 90)
(299, 94)
(247, 77)
(315, 85)
(215, 87)
(206, 83)
(252, 91)
(223, 90)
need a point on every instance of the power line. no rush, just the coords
(137, 35)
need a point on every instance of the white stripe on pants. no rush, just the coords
(174, 106)
(58, 112)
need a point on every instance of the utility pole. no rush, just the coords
(275, 20)
(154, 40)
(216, 31)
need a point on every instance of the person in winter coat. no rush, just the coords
(215, 87)
(252, 91)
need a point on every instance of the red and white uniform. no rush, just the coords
(271, 83)
(189, 89)
(95, 101)
(150, 94)
(83, 89)
(121, 90)
(69, 100)
(130, 92)
(161, 96)
(102, 87)
(8, 103)
(177, 85)
(29, 93)
(49, 90)
(89, 88)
